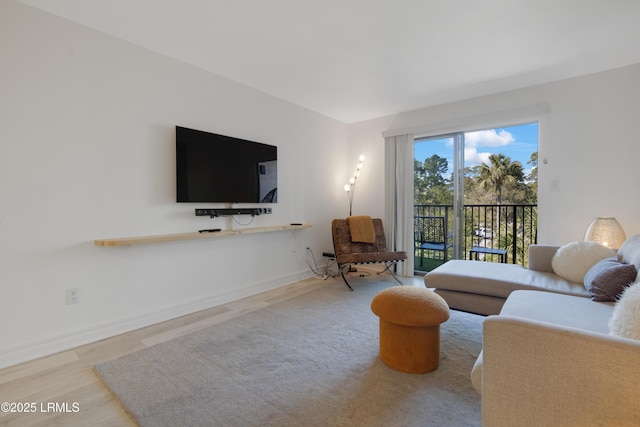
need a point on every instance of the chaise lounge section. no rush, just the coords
(483, 287)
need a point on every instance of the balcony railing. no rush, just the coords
(508, 227)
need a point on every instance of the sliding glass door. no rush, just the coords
(437, 191)
(474, 196)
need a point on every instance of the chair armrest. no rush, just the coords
(540, 257)
(537, 373)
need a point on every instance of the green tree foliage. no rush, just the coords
(430, 184)
(501, 181)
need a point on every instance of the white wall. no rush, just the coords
(87, 152)
(589, 137)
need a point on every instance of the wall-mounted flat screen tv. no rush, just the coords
(222, 169)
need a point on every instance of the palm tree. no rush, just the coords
(500, 174)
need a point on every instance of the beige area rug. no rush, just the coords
(309, 361)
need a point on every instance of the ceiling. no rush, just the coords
(354, 60)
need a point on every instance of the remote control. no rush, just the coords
(209, 230)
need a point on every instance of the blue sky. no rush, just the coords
(517, 142)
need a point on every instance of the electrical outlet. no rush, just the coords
(73, 296)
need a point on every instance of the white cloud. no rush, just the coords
(488, 138)
(472, 157)
(484, 138)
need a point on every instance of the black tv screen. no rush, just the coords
(222, 169)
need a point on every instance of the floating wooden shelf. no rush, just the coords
(128, 241)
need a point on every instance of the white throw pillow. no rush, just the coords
(629, 249)
(625, 321)
(572, 261)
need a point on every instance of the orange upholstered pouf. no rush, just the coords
(410, 319)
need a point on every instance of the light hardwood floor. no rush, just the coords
(67, 378)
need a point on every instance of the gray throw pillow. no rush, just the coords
(606, 280)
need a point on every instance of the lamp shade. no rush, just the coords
(606, 231)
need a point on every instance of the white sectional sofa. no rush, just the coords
(554, 356)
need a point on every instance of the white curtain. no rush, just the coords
(399, 198)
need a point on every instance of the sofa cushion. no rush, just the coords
(625, 321)
(540, 257)
(573, 260)
(606, 280)
(564, 310)
(629, 252)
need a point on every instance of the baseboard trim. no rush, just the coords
(97, 332)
